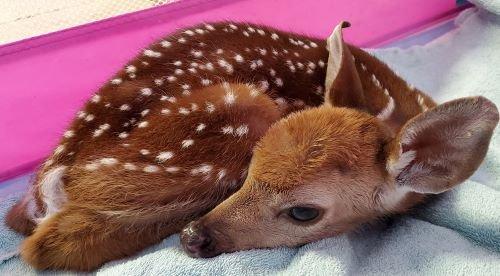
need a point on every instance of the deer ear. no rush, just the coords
(342, 84)
(443, 146)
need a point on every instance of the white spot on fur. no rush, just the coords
(241, 130)
(238, 58)
(274, 36)
(232, 26)
(165, 44)
(227, 130)
(95, 99)
(81, 114)
(179, 72)
(264, 85)
(124, 107)
(116, 81)
(130, 166)
(200, 127)
(272, 72)
(421, 102)
(321, 63)
(171, 78)
(172, 169)
(123, 135)
(197, 53)
(376, 81)
(181, 40)
(194, 107)
(184, 111)
(164, 156)
(131, 69)
(144, 112)
(146, 91)
(280, 101)
(189, 32)
(69, 134)
(158, 82)
(143, 124)
(314, 45)
(203, 169)
(187, 143)
(59, 149)
(389, 108)
(363, 67)
(144, 152)
(151, 169)
(209, 107)
(209, 27)
(151, 53)
(165, 111)
(91, 166)
(278, 82)
(168, 98)
(206, 82)
(101, 130)
(108, 161)
(89, 118)
(226, 65)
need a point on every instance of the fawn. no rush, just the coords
(172, 135)
(376, 147)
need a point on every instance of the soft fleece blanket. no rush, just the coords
(457, 233)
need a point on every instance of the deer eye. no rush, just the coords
(303, 213)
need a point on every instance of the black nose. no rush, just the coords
(196, 240)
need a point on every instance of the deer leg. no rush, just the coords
(82, 240)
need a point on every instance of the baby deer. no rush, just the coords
(171, 136)
(376, 147)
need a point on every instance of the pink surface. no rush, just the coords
(46, 79)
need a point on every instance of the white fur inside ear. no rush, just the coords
(395, 166)
(335, 46)
(52, 191)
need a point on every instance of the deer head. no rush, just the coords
(326, 170)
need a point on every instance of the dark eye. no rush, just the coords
(303, 213)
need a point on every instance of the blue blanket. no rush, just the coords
(457, 233)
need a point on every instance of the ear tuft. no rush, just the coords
(345, 24)
(442, 147)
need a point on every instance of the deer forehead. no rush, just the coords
(315, 142)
